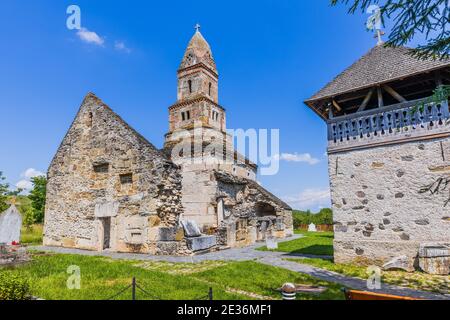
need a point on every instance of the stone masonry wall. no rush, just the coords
(379, 212)
(105, 171)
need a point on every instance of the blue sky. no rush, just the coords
(271, 56)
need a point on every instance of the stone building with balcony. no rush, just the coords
(389, 155)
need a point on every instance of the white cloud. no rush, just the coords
(120, 46)
(90, 37)
(27, 175)
(295, 157)
(310, 199)
(31, 173)
(24, 184)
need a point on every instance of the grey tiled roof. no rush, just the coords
(381, 64)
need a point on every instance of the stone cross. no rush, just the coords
(197, 27)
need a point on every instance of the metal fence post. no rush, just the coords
(210, 294)
(133, 289)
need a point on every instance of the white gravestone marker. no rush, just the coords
(271, 243)
(10, 224)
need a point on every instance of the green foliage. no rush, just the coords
(325, 216)
(13, 287)
(414, 280)
(28, 217)
(102, 277)
(4, 189)
(31, 234)
(37, 197)
(412, 17)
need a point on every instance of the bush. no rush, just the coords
(13, 287)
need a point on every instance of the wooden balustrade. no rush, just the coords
(404, 121)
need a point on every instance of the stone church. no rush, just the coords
(389, 156)
(111, 189)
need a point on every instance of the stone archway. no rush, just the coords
(265, 210)
(265, 218)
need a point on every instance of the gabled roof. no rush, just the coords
(92, 100)
(380, 65)
(226, 177)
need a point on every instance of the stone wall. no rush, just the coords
(109, 187)
(248, 213)
(379, 211)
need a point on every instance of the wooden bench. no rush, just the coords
(365, 295)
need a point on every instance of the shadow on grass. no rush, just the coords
(317, 249)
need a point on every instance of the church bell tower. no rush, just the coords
(198, 97)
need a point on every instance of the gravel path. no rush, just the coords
(276, 259)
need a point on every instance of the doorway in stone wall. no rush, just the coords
(106, 226)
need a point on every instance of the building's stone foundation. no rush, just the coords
(379, 211)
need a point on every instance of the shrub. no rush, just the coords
(13, 287)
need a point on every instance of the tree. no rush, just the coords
(412, 17)
(28, 217)
(4, 189)
(37, 197)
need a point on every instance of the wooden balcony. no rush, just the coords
(407, 121)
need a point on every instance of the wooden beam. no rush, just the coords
(337, 106)
(438, 78)
(394, 93)
(380, 98)
(329, 109)
(364, 104)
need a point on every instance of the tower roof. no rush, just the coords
(198, 51)
(380, 65)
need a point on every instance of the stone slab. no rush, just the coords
(400, 263)
(191, 228)
(201, 243)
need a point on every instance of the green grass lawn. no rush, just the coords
(103, 277)
(314, 243)
(415, 280)
(31, 235)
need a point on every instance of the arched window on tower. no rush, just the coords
(190, 86)
(209, 90)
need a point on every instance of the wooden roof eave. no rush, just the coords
(375, 84)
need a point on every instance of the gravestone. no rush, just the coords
(10, 225)
(191, 230)
(271, 243)
(312, 228)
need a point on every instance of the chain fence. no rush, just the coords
(135, 288)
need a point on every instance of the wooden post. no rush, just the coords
(210, 294)
(438, 79)
(133, 289)
(380, 98)
(366, 100)
(394, 93)
(337, 106)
